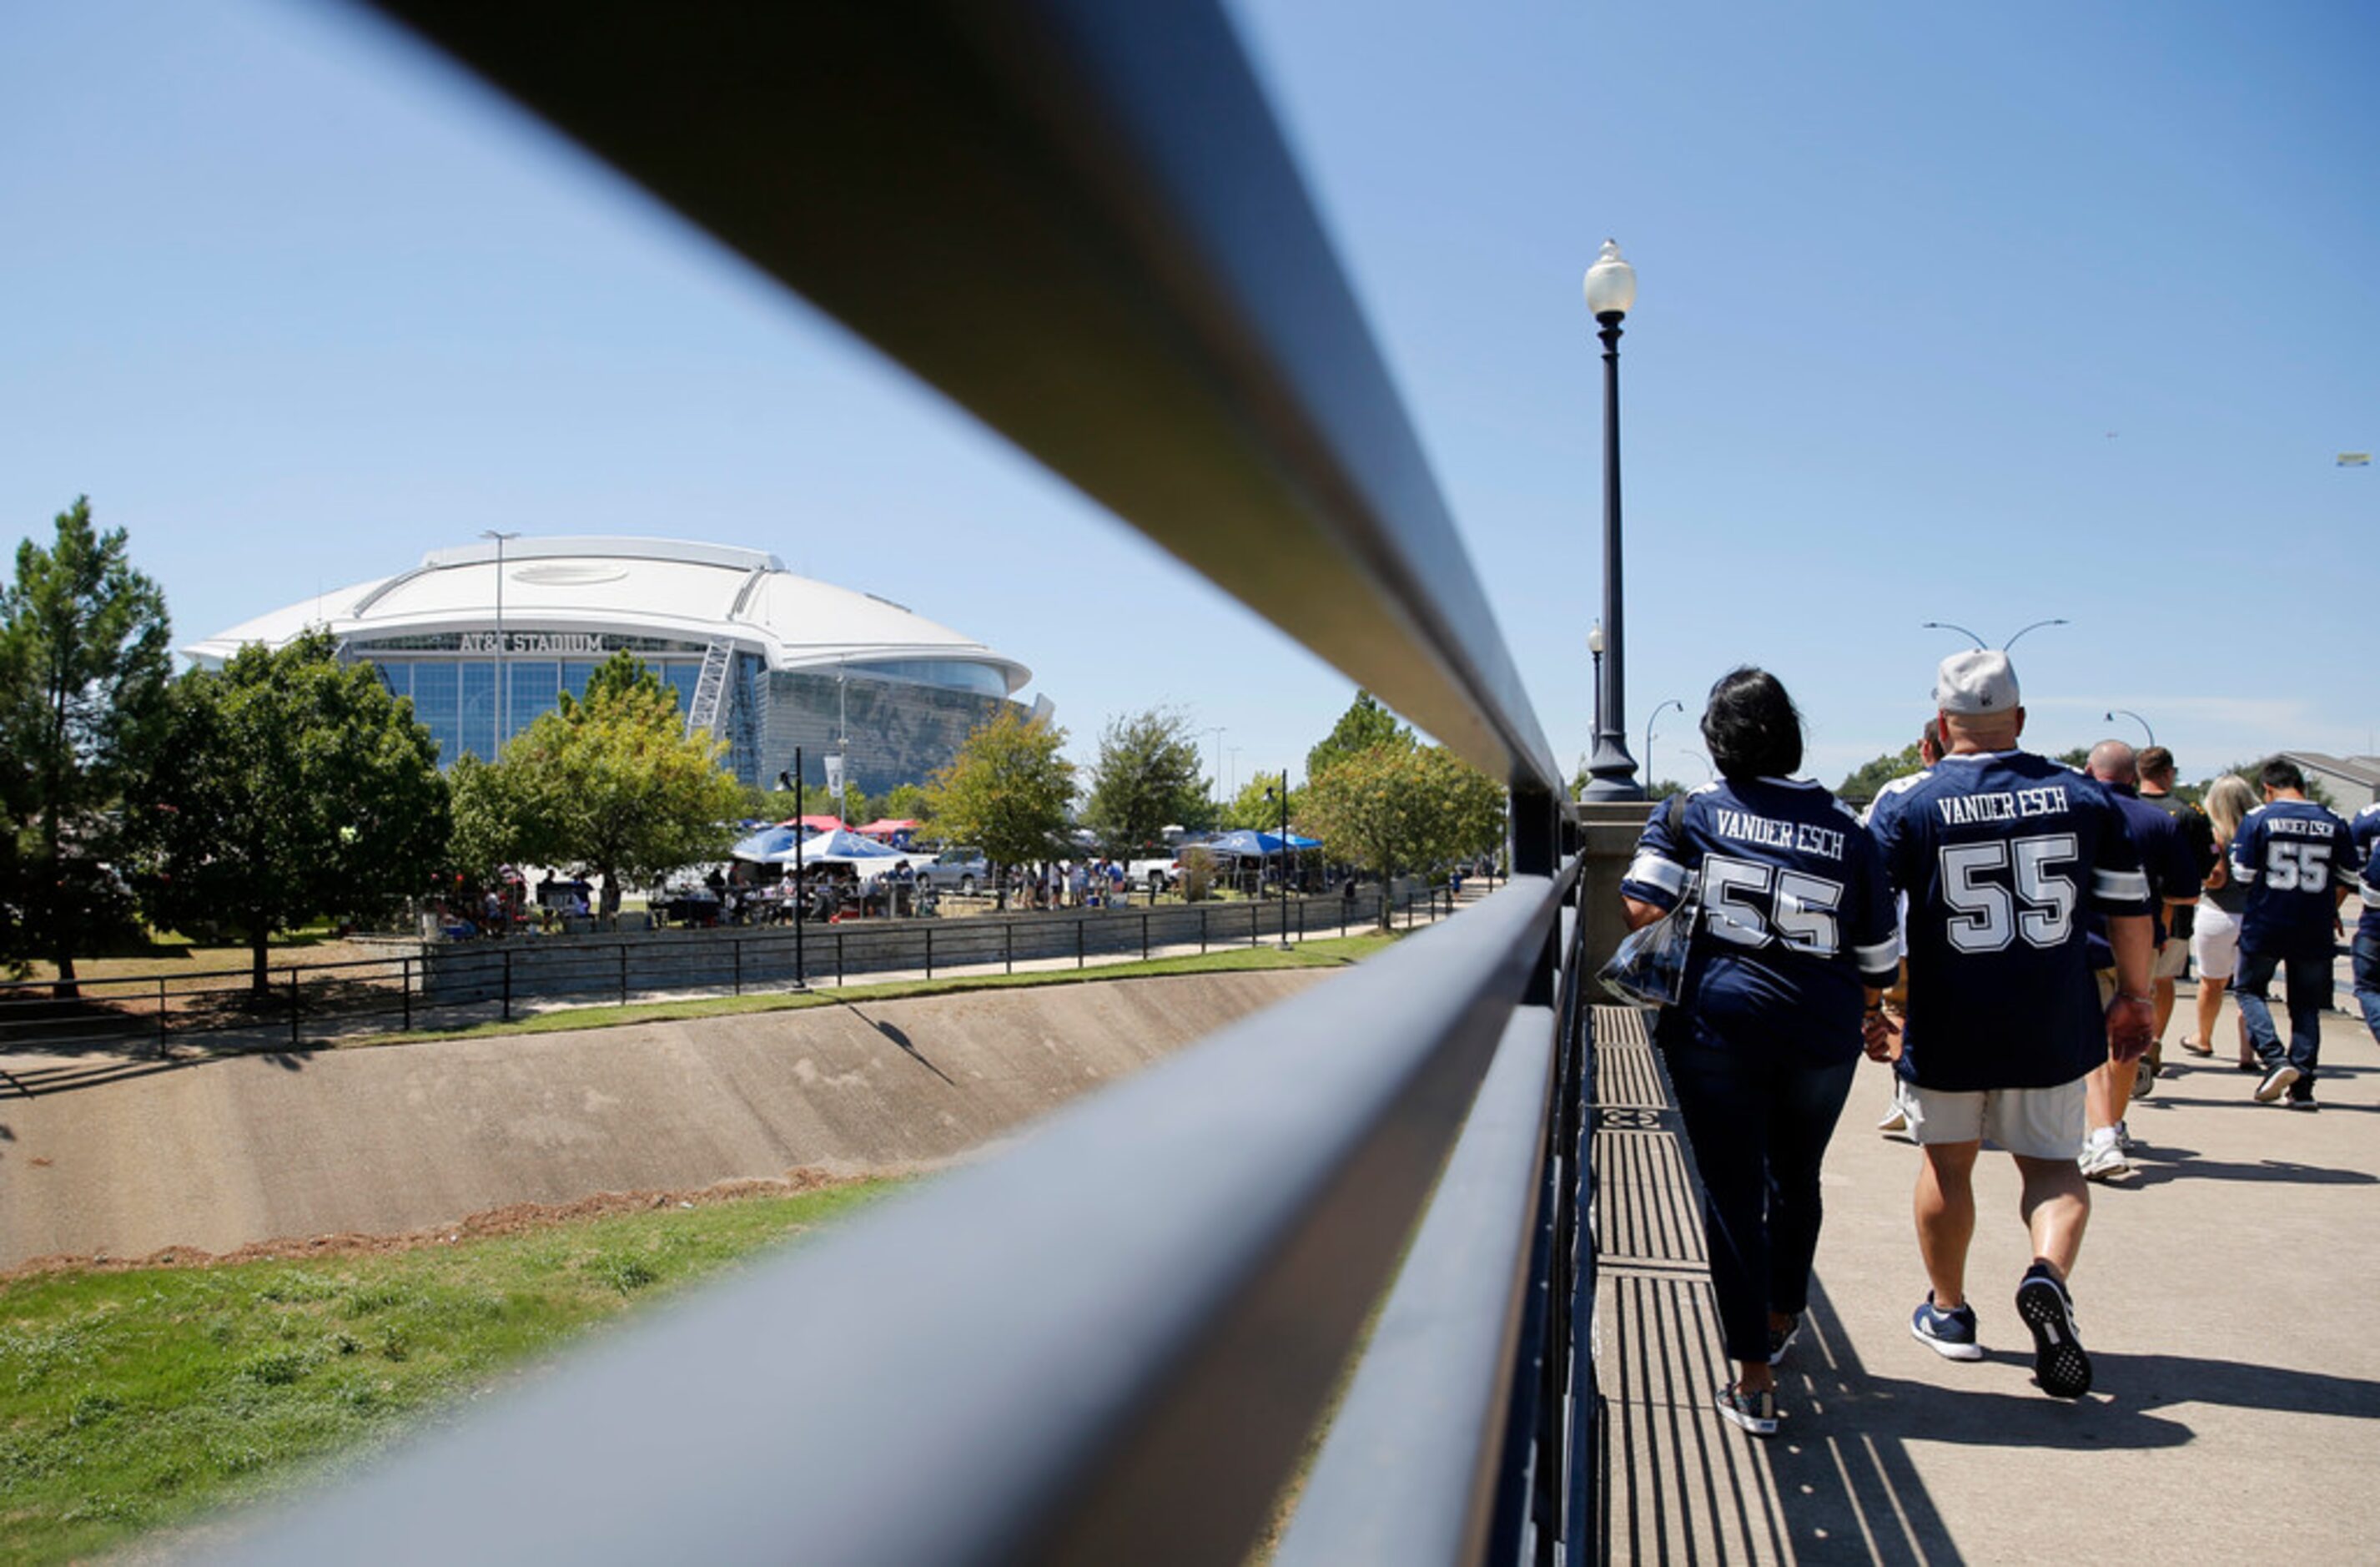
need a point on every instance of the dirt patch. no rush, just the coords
(513, 1218)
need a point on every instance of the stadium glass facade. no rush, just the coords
(898, 720)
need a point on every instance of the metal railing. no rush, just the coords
(1114, 1341)
(450, 985)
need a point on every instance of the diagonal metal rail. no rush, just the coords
(1078, 219)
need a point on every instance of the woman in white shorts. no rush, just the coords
(2215, 940)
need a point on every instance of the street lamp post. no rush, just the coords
(2126, 713)
(501, 703)
(1595, 647)
(801, 911)
(1284, 857)
(1980, 643)
(1665, 707)
(1215, 788)
(1611, 291)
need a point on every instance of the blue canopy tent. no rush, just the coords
(842, 846)
(1248, 841)
(766, 846)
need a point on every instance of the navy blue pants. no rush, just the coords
(2367, 978)
(2307, 975)
(1759, 1127)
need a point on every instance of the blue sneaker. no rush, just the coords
(2059, 1363)
(1951, 1334)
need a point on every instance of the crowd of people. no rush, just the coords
(2006, 931)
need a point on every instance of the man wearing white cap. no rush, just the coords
(1999, 852)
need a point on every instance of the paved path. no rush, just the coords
(2227, 1294)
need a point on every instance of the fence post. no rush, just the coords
(738, 948)
(161, 1017)
(1079, 941)
(1204, 909)
(838, 957)
(1301, 920)
(405, 991)
(293, 1009)
(508, 985)
(1144, 937)
(929, 952)
(623, 951)
(1008, 943)
(1255, 913)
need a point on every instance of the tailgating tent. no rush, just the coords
(766, 846)
(841, 847)
(1246, 841)
(813, 823)
(885, 826)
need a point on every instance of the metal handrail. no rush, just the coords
(1078, 219)
(1106, 1345)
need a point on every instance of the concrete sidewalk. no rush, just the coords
(2226, 1294)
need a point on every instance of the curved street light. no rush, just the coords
(1665, 707)
(1977, 639)
(2035, 627)
(2115, 713)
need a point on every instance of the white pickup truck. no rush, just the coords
(1157, 872)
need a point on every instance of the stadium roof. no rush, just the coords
(642, 586)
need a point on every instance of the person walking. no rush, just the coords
(1790, 951)
(2365, 829)
(1999, 851)
(2215, 938)
(2297, 861)
(2173, 870)
(2156, 770)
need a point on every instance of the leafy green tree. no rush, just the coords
(1392, 809)
(1862, 783)
(1364, 724)
(1250, 807)
(2253, 774)
(1007, 790)
(298, 789)
(906, 802)
(84, 670)
(1148, 779)
(611, 785)
(486, 812)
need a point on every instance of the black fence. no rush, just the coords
(440, 985)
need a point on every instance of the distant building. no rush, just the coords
(760, 657)
(2353, 781)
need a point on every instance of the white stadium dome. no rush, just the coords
(761, 657)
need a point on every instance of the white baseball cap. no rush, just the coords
(1977, 681)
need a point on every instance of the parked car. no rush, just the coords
(963, 872)
(1156, 873)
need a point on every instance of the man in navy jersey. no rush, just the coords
(2297, 861)
(2000, 852)
(2366, 829)
(2173, 868)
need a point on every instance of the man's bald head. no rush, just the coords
(2112, 762)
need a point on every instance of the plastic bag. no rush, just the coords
(1649, 969)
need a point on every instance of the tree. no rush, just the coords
(611, 785)
(486, 813)
(1391, 809)
(2253, 774)
(1364, 725)
(1007, 790)
(1250, 807)
(1148, 779)
(906, 802)
(84, 670)
(1863, 782)
(298, 788)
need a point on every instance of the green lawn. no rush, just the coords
(150, 1396)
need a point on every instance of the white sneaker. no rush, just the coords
(2103, 1157)
(1895, 1120)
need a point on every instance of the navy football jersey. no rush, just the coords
(2292, 856)
(2365, 827)
(2167, 857)
(1795, 915)
(2001, 854)
(2370, 924)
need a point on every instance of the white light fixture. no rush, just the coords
(1610, 284)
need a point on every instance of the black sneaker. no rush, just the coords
(2059, 1363)
(1781, 1339)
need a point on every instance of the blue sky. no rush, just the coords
(1977, 315)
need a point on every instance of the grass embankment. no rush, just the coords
(1335, 951)
(150, 1396)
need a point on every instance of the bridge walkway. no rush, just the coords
(2224, 1291)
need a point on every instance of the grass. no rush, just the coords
(1335, 951)
(135, 1399)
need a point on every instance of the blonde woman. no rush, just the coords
(2214, 941)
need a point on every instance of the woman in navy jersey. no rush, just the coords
(1791, 949)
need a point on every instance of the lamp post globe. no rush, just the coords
(1612, 772)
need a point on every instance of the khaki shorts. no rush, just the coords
(2171, 959)
(2036, 1123)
